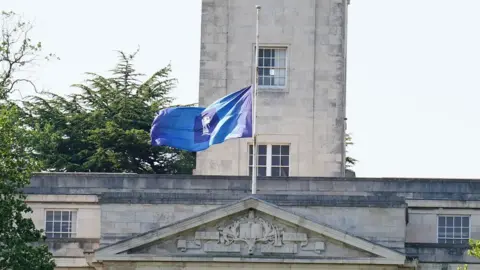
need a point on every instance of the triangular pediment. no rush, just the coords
(250, 229)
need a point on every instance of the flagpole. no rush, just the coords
(254, 111)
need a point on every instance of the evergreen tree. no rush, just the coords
(106, 127)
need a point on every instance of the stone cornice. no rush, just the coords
(170, 188)
(281, 200)
(350, 261)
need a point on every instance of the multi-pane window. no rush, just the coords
(272, 160)
(272, 67)
(453, 229)
(60, 223)
(261, 157)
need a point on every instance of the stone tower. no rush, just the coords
(302, 81)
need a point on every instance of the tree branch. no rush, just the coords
(17, 51)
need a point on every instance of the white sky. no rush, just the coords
(412, 99)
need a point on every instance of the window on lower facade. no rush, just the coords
(272, 160)
(272, 67)
(60, 223)
(453, 229)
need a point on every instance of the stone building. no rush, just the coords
(313, 219)
(302, 79)
(129, 221)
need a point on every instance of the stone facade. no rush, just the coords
(307, 111)
(128, 221)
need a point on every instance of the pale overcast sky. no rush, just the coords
(413, 99)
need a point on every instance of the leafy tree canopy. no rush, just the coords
(19, 238)
(21, 244)
(474, 251)
(106, 127)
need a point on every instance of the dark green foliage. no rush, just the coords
(19, 239)
(21, 245)
(106, 127)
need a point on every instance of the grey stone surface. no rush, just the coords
(439, 253)
(282, 200)
(310, 106)
(71, 247)
(383, 225)
(141, 187)
(121, 220)
(372, 208)
(251, 233)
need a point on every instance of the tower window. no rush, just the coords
(272, 160)
(272, 67)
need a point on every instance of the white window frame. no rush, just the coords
(74, 222)
(269, 157)
(453, 215)
(274, 47)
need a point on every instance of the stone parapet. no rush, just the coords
(116, 184)
(439, 253)
(280, 200)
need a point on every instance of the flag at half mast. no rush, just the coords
(195, 128)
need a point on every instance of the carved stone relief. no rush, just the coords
(255, 234)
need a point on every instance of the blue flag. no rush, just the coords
(196, 129)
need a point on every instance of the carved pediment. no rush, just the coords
(250, 228)
(251, 233)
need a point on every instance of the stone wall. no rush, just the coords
(422, 227)
(72, 247)
(385, 226)
(229, 188)
(382, 225)
(240, 265)
(308, 113)
(87, 216)
(69, 252)
(124, 220)
(373, 208)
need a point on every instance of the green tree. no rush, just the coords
(474, 248)
(19, 240)
(21, 244)
(473, 251)
(106, 127)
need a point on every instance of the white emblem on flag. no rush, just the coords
(206, 125)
